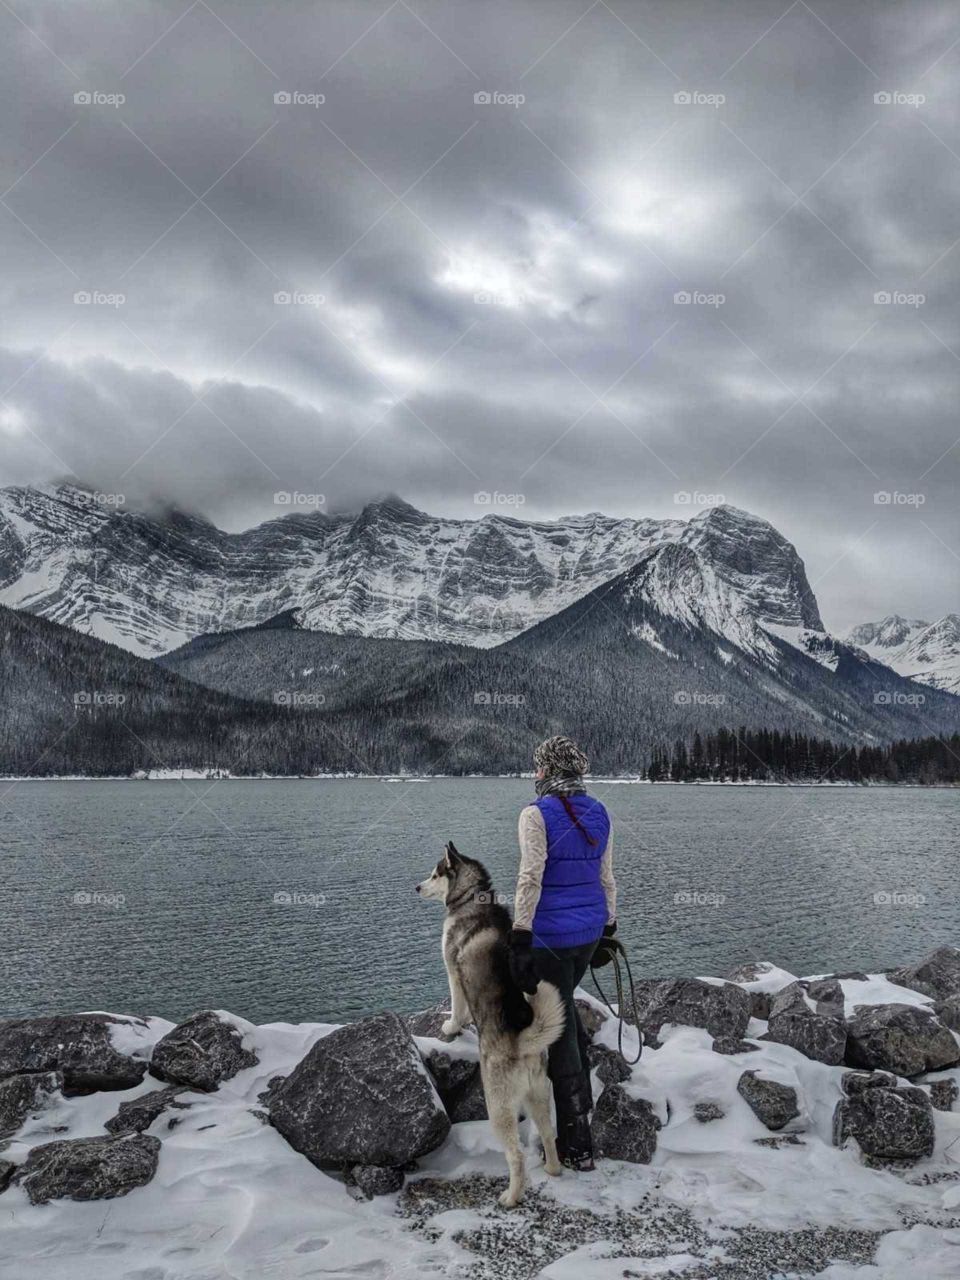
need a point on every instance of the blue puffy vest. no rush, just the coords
(572, 909)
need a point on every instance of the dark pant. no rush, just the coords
(565, 967)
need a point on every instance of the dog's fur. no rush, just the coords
(514, 1029)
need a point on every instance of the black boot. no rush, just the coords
(574, 1142)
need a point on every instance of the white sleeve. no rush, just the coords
(607, 880)
(533, 859)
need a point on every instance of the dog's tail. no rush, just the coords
(549, 1019)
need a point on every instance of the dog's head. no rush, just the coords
(454, 877)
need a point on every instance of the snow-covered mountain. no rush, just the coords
(149, 583)
(924, 651)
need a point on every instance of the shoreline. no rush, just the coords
(197, 775)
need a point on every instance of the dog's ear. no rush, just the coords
(453, 857)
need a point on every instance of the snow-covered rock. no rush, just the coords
(88, 1168)
(816, 1028)
(201, 1052)
(888, 1124)
(900, 1038)
(80, 1046)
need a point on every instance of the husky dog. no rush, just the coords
(514, 1029)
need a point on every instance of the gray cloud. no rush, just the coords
(484, 294)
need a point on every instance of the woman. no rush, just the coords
(566, 902)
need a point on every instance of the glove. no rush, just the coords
(522, 967)
(604, 953)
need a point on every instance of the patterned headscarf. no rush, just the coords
(564, 765)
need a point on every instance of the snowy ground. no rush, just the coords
(232, 1201)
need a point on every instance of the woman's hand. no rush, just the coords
(522, 968)
(604, 953)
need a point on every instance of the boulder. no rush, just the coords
(139, 1113)
(888, 1124)
(854, 1082)
(79, 1046)
(731, 1045)
(901, 1038)
(705, 1112)
(774, 1104)
(362, 1095)
(201, 1053)
(608, 1064)
(7, 1170)
(88, 1168)
(937, 975)
(721, 1008)
(591, 1018)
(948, 1011)
(428, 1022)
(624, 1127)
(819, 1032)
(943, 1093)
(24, 1096)
(826, 993)
(376, 1181)
(459, 1086)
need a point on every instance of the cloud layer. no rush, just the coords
(407, 287)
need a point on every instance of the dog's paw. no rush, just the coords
(451, 1028)
(554, 1169)
(508, 1200)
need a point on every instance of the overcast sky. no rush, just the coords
(483, 293)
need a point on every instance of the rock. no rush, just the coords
(79, 1046)
(777, 1140)
(751, 971)
(819, 1033)
(591, 1017)
(760, 1004)
(888, 1124)
(827, 994)
(608, 1064)
(948, 1011)
(376, 1181)
(943, 1093)
(25, 1095)
(7, 1170)
(362, 1095)
(901, 1038)
(201, 1052)
(721, 1008)
(623, 1127)
(731, 1045)
(428, 1022)
(459, 1086)
(937, 975)
(854, 1082)
(88, 1168)
(139, 1113)
(774, 1104)
(707, 1111)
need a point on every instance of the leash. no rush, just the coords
(619, 951)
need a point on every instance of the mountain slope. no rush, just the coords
(151, 583)
(926, 652)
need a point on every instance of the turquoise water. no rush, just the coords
(166, 897)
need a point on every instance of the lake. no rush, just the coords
(294, 900)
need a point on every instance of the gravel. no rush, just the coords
(517, 1244)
